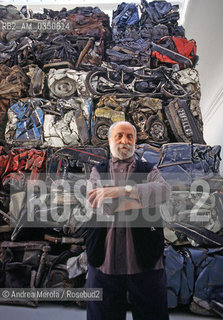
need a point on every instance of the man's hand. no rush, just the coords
(98, 195)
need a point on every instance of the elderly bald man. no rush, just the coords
(126, 260)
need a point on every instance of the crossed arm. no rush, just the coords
(154, 192)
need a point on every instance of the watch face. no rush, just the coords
(128, 188)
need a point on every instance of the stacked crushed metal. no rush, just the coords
(65, 77)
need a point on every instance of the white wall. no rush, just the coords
(204, 23)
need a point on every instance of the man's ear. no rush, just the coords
(135, 140)
(109, 140)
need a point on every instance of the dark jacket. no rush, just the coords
(148, 241)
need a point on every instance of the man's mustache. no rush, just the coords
(126, 146)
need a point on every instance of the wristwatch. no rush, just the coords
(128, 189)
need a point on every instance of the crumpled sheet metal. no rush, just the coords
(182, 163)
(103, 118)
(26, 12)
(56, 47)
(194, 277)
(196, 112)
(23, 48)
(25, 122)
(158, 19)
(62, 132)
(94, 25)
(73, 127)
(209, 280)
(37, 78)
(116, 103)
(14, 83)
(124, 81)
(25, 51)
(77, 265)
(84, 103)
(12, 35)
(4, 104)
(108, 113)
(146, 114)
(16, 163)
(124, 17)
(7, 52)
(45, 123)
(154, 33)
(109, 109)
(65, 83)
(175, 51)
(194, 235)
(193, 208)
(126, 14)
(9, 12)
(130, 32)
(189, 79)
(184, 125)
(162, 12)
(180, 277)
(129, 52)
(16, 203)
(92, 55)
(153, 104)
(148, 153)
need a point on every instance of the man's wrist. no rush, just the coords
(128, 190)
(122, 192)
(128, 193)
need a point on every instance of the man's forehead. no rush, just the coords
(123, 128)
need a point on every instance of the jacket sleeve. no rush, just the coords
(155, 191)
(93, 183)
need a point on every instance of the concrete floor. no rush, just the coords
(61, 312)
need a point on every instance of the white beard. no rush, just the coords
(120, 153)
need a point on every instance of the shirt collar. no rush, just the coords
(129, 160)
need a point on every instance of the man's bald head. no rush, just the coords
(121, 123)
(122, 139)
